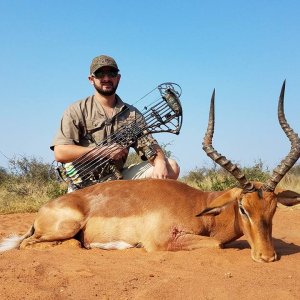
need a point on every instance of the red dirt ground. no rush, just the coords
(75, 273)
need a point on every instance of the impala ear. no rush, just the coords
(287, 197)
(212, 211)
(219, 204)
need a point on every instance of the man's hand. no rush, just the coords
(160, 164)
(160, 170)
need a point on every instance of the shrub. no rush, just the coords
(3, 175)
(257, 172)
(27, 184)
(216, 178)
(31, 168)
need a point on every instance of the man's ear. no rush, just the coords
(91, 80)
(287, 197)
(219, 204)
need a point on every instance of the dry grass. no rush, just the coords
(30, 183)
(27, 197)
(290, 182)
(27, 185)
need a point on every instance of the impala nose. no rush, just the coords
(265, 258)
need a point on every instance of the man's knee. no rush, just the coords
(174, 169)
(138, 171)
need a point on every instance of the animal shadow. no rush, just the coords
(282, 248)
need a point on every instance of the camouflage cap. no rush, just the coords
(102, 61)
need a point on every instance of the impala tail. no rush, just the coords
(14, 241)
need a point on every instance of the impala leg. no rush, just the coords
(191, 241)
(64, 231)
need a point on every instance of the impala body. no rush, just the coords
(157, 215)
(167, 214)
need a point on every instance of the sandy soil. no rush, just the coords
(75, 273)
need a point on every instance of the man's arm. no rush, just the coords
(65, 143)
(68, 153)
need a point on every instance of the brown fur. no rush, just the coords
(159, 215)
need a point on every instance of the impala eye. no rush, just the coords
(242, 211)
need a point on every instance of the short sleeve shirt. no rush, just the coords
(85, 123)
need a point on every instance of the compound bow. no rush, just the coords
(164, 115)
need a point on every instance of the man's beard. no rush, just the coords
(107, 92)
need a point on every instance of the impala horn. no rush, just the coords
(221, 160)
(294, 154)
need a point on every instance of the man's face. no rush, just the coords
(105, 80)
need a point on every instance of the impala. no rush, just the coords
(168, 214)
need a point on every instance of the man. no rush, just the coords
(96, 118)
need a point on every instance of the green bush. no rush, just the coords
(216, 178)
(27, 184)
(3, 175)
(31, 168)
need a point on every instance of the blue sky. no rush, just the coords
(244, 49)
